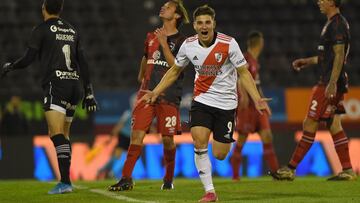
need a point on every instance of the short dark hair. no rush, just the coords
(204, 10)
(53, 7)
(181, 10)
(254, 38)
(337, 3)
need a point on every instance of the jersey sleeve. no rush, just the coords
(338, 33)
(36, 38)
(181, 59)
(146, 45)
(235, 55)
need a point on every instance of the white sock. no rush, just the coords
(203, 166)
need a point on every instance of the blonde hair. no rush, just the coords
(181, 10)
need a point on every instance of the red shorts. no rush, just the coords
(321, 108)
(249, 120)
(167, 115)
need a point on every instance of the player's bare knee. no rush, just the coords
(137, 137)
(310, 125)
(168, 142)
(220, 155)
(241, 139)
(200, 145)
(266, 136)
(335, 126)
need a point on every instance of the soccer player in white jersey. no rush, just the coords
(218, 61)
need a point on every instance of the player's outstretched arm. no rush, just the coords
(23, 62)
(249, 85)
(168, 79)
(243, 96)
(301, 63)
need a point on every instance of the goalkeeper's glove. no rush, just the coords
(7, 67)
(89, 101)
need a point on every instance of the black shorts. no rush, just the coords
(62, 96)
(123, 141)
(219, 121)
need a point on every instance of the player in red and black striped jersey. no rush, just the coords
(248, 119)
(326, 103)
(57, 45)
(160, 49)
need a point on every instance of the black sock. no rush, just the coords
(63, 152)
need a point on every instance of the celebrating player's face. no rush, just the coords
(204, 26)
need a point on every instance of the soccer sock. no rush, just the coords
(203, 165)
(169, 157)
(301, 149)
(63, 152)
(133, 154)
(235, 160)
(270, 157)
(341, 143)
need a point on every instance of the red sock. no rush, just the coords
(169, 157)
(133, 154)
(302, 148)
(341, 143)
(270, 157)
(235, 160)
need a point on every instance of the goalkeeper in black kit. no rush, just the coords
(56, 44)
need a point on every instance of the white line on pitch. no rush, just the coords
(119, 197)
(111, 194)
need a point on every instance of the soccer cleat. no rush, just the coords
(344, 176)
(209, 197)
(61, 188)
(122, 185)
(167, 185)
(284, 173)
(273, 175)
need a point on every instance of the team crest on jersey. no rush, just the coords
(218, 57)
(156, 55)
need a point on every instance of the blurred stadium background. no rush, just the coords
(113, 32)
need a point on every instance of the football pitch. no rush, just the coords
(308, 189)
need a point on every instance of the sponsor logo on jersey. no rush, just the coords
(65, 75)
(157, 62)
(240, 62)
(218, 57)
(208, 70)
(195, 58)
(55, 28)
(227, 136)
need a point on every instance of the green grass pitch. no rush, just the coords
(308, 189)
